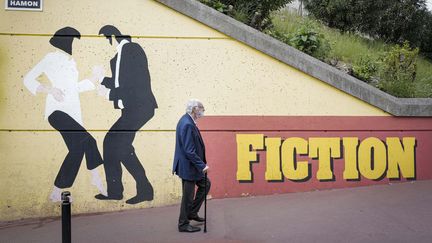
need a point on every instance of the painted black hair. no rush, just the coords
(109, 30)
(63, 38)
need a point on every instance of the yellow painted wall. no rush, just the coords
(186, 59)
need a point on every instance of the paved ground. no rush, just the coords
(389, 213)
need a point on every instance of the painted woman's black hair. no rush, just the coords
(109, 30)
(63, 38)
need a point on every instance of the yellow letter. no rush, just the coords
(401, 158)
(324, 149)
(372, 165)
(290, 148)
(350, 156)
(245, 156)
(273, 170)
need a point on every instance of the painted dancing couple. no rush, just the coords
(129, 88)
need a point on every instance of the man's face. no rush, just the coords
(199, 111)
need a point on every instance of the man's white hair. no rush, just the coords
(191, 104)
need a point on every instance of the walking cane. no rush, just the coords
(205, 203)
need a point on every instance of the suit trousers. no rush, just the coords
(190, 206)
(79, 143)
(118, 149)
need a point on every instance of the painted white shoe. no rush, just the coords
(96, 181)
(55, 195)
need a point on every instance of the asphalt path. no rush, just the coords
(400, 212)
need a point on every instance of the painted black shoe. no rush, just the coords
(140, 198)
(144, 194)
(189, 228)
(103, 197)
(196, 218)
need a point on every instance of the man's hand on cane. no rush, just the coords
(205, 169)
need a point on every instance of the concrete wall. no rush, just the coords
(185, 58)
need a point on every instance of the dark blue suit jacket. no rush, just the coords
(189, 156)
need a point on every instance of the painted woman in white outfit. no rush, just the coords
(63, 109)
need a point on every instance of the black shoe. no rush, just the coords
(189, 228)
(140, 198)
(144, 193)
(103, 197)
(197, 218)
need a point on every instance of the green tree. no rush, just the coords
(255, 13)
(402, 20)
(426, 42)
(335, 13)
(394, 21)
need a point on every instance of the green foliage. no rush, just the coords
(424, 78)
(393, 21)
(305, 36)
(365, 68)
(335, 13)
(284, 37)
(399, 68)
(426, 36)
(402, 20)
(350, 48)
(255, 13)
(240, 15)
(307, 39)
(216, 4)
(220, 6)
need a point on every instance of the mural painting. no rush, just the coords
(63, 110)
(130, 91)
(272, 127)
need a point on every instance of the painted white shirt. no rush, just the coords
(61, 70)
(116, 78)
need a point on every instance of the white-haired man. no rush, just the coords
(190, 165)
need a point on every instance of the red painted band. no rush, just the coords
(220, 132)
(314, 123)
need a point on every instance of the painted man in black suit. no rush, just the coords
(130, 90)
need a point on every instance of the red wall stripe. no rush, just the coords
(314, 123)
(219, 134)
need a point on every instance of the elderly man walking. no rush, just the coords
(190, 165)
